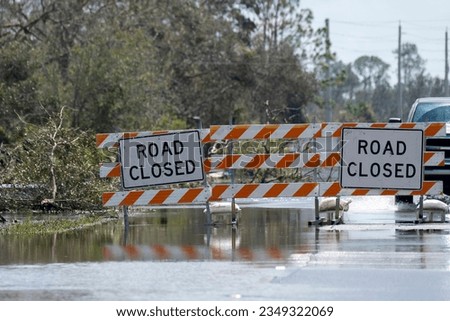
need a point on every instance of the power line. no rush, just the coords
(352, 38)
(381, 37)
(382, 23)
(361, 50)
(365, 23)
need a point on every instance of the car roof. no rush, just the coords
(433, 100)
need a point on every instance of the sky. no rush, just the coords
(371, 27)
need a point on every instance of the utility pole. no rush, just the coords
(329, 111)
(446, 65)
(399, 80)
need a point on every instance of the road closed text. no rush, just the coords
(161, 159)
(375, 169)
(166, 151)
(382, 158)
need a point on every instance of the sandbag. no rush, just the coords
(437, 205)
(329, 204)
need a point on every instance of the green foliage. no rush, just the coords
(359, 112)
(55, 162)
(371, 71)
(130, 65)
(17, 88)
(50, 226)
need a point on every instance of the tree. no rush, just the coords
(372, 72)
(56, 162)
(130, 65)
(284, 43)
(412, 63)
(18, 96)
(384, 102)
(358, 112)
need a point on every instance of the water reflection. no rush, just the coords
(262, 234)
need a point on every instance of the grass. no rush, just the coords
(51, 226)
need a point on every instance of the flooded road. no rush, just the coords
(273, 254)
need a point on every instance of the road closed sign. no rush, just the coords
(382, 158)
(161, 159)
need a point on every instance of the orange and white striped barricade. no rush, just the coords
(333, 189)
(299, 132)
(108, 140)
(321, 159)
(201, 195)
(162, 252)
(255, 161)
(313, 130)
(175, 196)
(142, 153)
(264, 190)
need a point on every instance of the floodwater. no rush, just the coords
(272, 254)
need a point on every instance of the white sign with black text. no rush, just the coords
(382, 158)
(161, 159)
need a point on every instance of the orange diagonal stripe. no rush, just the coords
(217, 191)
(161, 251)
(305, 189)
(246, 253)
(276, 190)
(433, 128)
(378, 125)
(427, 156)
(228, 161)
(274, 253)
(427, 185)
(246, 190)
(332, 159)
(130, 134)
(160, 196)
(320, 131)
(100, 138)
(333, 190)
(266, 131)
(216, 253)
(190, 251)
(360, 192)
(338, 132)
(207, 165)
(115, 172)
(190, 195)
(237, 131)
(213, 129)
(132, 251)
(296, 131)
(106, 197)
(314, 161)
(287, 160)
(131, 198)
(407, 125)
(207, 138)
(257, 161)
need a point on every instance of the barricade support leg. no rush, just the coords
(419, 216)
(317, 220)
(336, 212)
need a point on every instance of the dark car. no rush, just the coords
(435, 109)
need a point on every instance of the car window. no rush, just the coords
(432, 112)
